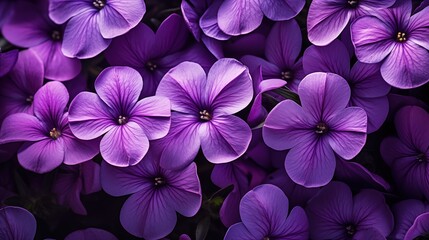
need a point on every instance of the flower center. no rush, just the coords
(204, 115)
(122, 120)
(266, 238)
(54, 133)
(159, 181)
(151, 66)
(353, 3)
(421, 157)
(321, 128)
(29, 99)
(401, 37)
(350, 230)
(56, 35)
(99, 4)
(287, 75)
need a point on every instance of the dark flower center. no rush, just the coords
(421, 157)
(353, 3)
(350, 230)
(205, 115)
(122, 120)
(424, 236)
(321, 128)
(54, 133)
(56, 35)
(151, 66)
(29, 99)
(287, 75)
(99, 4)
(159, 181)
(401, 37)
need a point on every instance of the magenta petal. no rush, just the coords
(229, 86)
(311, 163)
(147, 214)
(407, 66)
(91, 234)
(22, 127)
(236, 17)
(281, 10)
(224, 138)
(42, 156)
(50, 102)
(82, 37)
(89, 116)
(118, 17)
(17, 223)
(124, 145)
(239, 232)
(60, 11)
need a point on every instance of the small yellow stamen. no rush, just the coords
(54, 133)
(401, 37)
(204, 115)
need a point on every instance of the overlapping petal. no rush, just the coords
(42, 156)
(236, 17)
(281, 10)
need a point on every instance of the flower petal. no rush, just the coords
(124, 145)
(17, 223)
(7, 61)
(281, 10)
(42, 156)
(91, 234)
(28, 72)
(118, 17)
(224, 138)
(239, 232)
(376, 109)
(296, 226)
(419, 227)
(367, 81)
(419, 23)
(171, 35)
(209, 22)
(62, 10)
(78, 151)
(50, 103)
(236, 17)
(21, 127)
(410, 123)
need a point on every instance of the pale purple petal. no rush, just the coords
(279, 10)
(236, 17)
(42, 156)
(419, 23)
(78, 151)
(62, 10)
(209, 22)
(17, 223)
(50, 102)
(22, 127)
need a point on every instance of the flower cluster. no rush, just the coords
(214, 119)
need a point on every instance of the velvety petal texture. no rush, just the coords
(17, 223)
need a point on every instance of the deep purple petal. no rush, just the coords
(405, 213)
(375, 108)
(8, 61)
(281, 10)
(42, 156)
(367, 81)
(239, 232)
(171, 35)
(17, 223)
(91, 234)
(28, 72)
(236, 17)
(22, 127)
(420, 227)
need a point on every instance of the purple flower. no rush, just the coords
(203, 107)
(336, 214)
(17, 223)
(72, 181)
(411, 220)
(30, 27)
(397, 40)
(408, 154)
(92, 24)
(91, 234)
(115, 112)
(328, 18)
(283, 47)
(153, 54)
(156, 195)
(6, 10)
(264, 215)
(368, 89)
(316, 131)
(7, 61)
(47, 138)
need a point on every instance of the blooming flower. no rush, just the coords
(72, 181)
(408, 154)
(7, 61)
(90, 234)
(17, 223)
(47, 136)
(327, 19)
(264, 215)
(368, 89)
(283, 47)
(397, 40)
(127, 124)
(313, 132)
(30, 27)
(157, 193)
(92, 24)
(334, 213)
(203, 108)
(153, 54)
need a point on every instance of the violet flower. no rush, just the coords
(316, 131)
(398, 40)
(47, 138)
(7, 61)
(17, 223)
(156, 195)
(92, 24)
(334, 213)
(30, 27)
(327, 19)
(153, 54)
(203, 107)
(265, 214)
(283, 47)
(90, 234)
(411, 220)
(6, 10)
(72, 181)
(368, 89)
(115, 112)
(408, 154)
